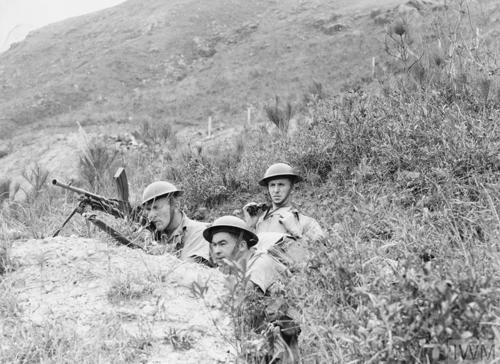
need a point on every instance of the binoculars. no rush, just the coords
(255, 209)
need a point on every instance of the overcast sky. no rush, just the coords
(18, 17)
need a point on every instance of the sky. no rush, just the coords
(18, 17)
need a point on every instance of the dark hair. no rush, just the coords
(236, 233)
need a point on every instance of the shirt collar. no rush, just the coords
(182, 226)
(279, 209)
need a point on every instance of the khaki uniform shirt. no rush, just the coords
(186, 242)
(264, 271)
(297, 225)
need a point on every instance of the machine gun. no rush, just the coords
(119, 208)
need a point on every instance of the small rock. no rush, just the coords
(333, 28)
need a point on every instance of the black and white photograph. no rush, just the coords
(249, 181)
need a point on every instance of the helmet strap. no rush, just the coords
(174, 218)
(239, 251)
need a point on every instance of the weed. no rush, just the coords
(36, 176)
(96, 164)
(4, 257)
(257, 338)
(314, 93)
(129, 288)
(179, 339)
(4, 189)
(397, 43)
(59, 341)
(278, 116)
(156, 133)
(10, 308)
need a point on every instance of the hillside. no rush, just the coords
(180, 61)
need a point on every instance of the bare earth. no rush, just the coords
(68, 280)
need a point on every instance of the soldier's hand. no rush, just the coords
(250, 219)
(292, 225)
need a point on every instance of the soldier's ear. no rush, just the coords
(175, 202)
(243, 246)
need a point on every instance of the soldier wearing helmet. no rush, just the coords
(172, 230)
(233, 246)
(281, 216)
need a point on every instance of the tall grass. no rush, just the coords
(4, 190)
(279, 116)
(60, 342)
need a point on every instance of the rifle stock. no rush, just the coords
(110, 231)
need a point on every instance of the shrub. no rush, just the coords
(157, 133)
(409, 317)
(96, 164)
(212, 179)
(128, 288)
(36, 176)
(278, 116)
(4, 257)
(315, 93)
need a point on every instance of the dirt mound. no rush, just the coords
(80, 282)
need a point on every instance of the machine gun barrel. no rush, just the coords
(55, 182)
(113, 207)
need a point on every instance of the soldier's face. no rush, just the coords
(223, 246)
(159, 213)
(279, 190)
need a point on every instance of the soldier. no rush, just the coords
(232, 245)
(172, 230)
(281, 217)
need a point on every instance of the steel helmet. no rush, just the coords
(280, 170)
(231, 224)
(159, 189)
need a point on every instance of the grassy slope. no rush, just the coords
(157, 60)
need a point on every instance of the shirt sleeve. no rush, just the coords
(195, 244)
(263, 270)
(312, 231)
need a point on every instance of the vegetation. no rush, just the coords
(404, 180)
(280, 117)
(129, 288)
